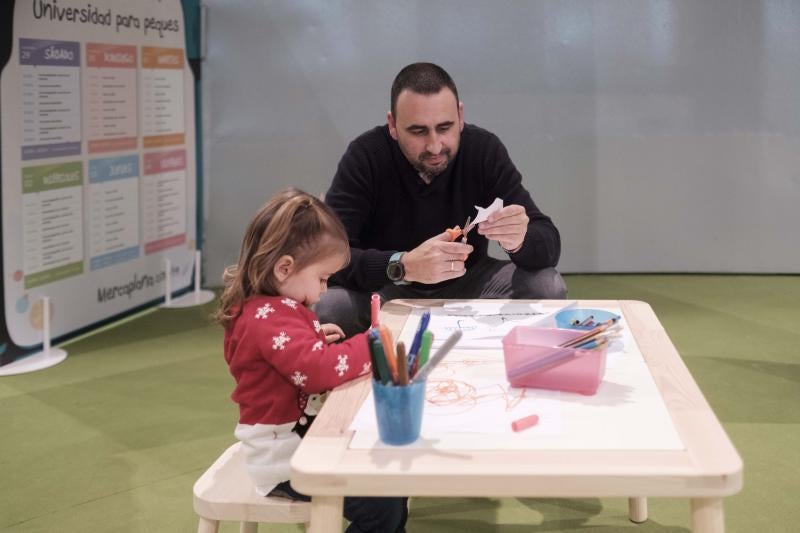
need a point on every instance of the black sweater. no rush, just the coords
(386, 207)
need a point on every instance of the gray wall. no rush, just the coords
(661, 136)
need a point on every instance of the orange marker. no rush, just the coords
(388, 349)
(525, 423)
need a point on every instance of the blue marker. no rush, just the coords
(415, 344)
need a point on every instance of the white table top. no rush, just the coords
(708, 466)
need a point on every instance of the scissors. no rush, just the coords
(457, 232)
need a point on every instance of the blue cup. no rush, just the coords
(399, 411)
(572, 318)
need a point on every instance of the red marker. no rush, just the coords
(525, 423)
(376, 310)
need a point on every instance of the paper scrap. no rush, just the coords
(484, 212)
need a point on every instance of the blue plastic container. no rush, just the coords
(572, 318)
(399, 411)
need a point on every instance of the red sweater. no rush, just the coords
(277, 353)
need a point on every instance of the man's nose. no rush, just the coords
(434, 145)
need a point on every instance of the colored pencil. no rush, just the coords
(589, 334)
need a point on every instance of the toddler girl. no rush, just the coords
(279, 353)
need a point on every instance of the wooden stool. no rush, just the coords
(226, 492)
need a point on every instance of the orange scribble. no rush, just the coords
(462, 396)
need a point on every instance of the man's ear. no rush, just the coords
(392, 125)
(283, 268)
(461, 116)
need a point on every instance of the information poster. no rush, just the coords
(98, 163)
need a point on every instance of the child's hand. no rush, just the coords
(332, 333)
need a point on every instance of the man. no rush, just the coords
(398, 188)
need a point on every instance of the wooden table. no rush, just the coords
(708, 469)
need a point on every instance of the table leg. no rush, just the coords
(637, 509)
(707, 515)
(326, 514)
(207, 526)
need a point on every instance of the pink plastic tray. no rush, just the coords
(533, 359)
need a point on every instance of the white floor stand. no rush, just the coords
(197, 297)
(39, 360)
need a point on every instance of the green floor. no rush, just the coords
(113, 438)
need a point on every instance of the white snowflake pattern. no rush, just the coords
(299, 379)
(289, 302)
(317, 346)
(366, 369)
(279, 342)
(264, 310)
(342, 366)
(317, 326)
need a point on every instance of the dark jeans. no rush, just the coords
(490, 278)
(378, 515)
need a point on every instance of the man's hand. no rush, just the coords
(332, 332)
(507, 226)
(436, 259)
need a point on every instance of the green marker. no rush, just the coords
(424, 350)
(379, 357)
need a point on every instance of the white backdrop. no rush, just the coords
(98, 173)
(661, 136)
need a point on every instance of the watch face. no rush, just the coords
(395, 271)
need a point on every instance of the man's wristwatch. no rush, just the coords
(395, 271)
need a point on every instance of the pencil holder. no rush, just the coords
(533, 358)
(583, 319)
(399, 411)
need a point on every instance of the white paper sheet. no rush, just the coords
(483, 325)
(470, 405)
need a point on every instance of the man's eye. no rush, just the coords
(442, 129)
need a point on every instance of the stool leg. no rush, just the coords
(637, 509)
(207, 526)
(248, 527)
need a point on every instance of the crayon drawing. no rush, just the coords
(448, 397)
